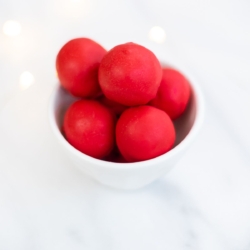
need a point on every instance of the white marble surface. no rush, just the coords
(203, 204)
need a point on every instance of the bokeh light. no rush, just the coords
(157, 34)
(26, 80)
(12, 28)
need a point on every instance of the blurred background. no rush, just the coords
(209, 37)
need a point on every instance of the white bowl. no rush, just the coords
(138, 174)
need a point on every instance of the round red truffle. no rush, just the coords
(144, 133)
(77, 66)
(173, 94)
(90, 127)
(130, 74)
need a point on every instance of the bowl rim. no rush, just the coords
(199, 117)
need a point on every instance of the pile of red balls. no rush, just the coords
(128, 101)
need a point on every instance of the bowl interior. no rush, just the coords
(61, 103)
(185, 122)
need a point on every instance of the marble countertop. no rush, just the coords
(202, 204)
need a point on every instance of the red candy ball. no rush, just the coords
(90, 127)
(130, 74)
(77, 66)
(144, 133)
(173, 94)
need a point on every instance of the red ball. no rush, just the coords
(77, 66)
(144, 133)
(90, 127)
(130, 74)
(173, 94)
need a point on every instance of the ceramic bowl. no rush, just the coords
(138, 174)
